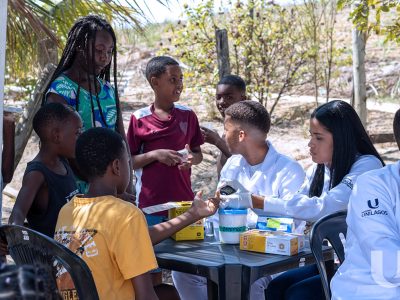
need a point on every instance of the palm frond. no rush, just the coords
(31, 21)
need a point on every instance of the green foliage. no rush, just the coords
(268, 45)
(386, 21)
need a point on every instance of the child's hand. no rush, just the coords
(168, 157)
(204, 208)
(186, 165)
(210, 136)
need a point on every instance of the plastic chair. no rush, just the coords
(26, 283)
(328, 228)
(29, 247)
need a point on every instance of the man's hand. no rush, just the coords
(128, 197)
(204, 208)
(236, 201)
(168, 157)
(210, 136)
(241, 198)
(236, 185)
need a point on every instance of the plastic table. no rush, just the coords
(229, 271)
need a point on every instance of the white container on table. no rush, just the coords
(232, 222)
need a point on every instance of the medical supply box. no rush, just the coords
(272, 242)
(192, 232)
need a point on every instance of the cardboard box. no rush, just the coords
(273, 242)
(275, 224)
(192, 232)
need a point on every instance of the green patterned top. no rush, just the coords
(68, 89)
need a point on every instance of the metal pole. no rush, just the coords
(3, 30)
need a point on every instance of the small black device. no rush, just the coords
(227, 190)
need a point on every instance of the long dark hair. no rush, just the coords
(83, 36)
(349, 140)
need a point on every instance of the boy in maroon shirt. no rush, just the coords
(156, 133)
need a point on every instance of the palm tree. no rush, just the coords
(30, 22)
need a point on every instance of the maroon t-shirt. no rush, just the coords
(157, 183)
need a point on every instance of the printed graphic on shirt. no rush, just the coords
(71, 195)
(81, 243)
(184, 127)
(373, 209)
(348, 182)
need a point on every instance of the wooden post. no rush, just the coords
(224, 67)
(3, 30)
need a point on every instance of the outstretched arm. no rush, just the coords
(212, 137)
(199, 209)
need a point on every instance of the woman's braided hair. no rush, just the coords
(82, 36)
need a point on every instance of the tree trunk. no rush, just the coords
(24, 128)
(359, 39)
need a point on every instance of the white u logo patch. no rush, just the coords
(377, 269)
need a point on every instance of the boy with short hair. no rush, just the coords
(230, 90)
(110, 234)
(156, 133)
(48, 181)
(255, 167)
(371, 266)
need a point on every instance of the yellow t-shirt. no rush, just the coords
(111, 236)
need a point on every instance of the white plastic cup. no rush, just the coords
(232, 222)
(208, 227)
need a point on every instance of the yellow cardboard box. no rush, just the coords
(273, 242)
(194, 231)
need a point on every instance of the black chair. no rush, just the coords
(328, 228)
(29, 247)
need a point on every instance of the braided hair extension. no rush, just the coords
(82, 36)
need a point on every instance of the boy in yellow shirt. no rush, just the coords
(110, 234)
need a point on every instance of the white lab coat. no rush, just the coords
(301, 206)
(277, 175)
(373, 225)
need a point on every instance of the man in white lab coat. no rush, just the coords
(255, 166)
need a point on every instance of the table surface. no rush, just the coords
(218, 262)
(213, 253)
